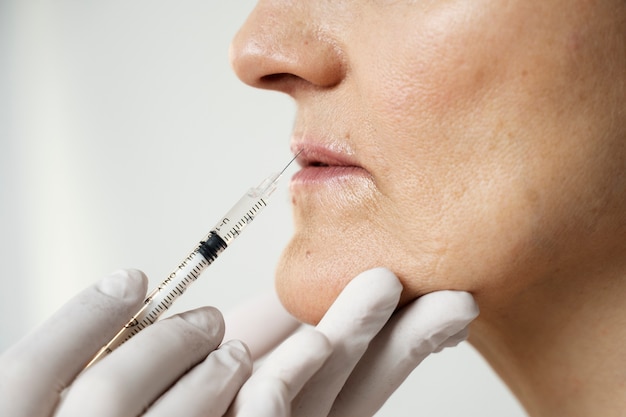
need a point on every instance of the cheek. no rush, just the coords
(428, 66)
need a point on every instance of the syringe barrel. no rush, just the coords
(162, 297)
(239, 216)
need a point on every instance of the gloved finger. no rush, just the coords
(428, 324)
(45, 362)
(262, 323)
(131, 378)
(354, 319)
(210, 387)
(270, 390)
(453, 340)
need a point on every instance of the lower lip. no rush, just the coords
(327, 175)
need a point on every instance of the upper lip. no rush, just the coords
(312, 154)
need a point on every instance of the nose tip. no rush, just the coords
(284, 52)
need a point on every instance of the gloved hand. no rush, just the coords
(148, 374)
(150, 367)
(357, 355)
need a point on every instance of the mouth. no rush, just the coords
(323, 163)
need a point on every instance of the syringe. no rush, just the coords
(203, 255)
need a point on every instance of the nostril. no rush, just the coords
(278, 78)
(283, 81)
(272, 78)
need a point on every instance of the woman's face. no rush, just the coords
(464, 144)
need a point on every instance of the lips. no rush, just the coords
(323, 164)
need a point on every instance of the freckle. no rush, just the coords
(532, 196)
(524, 73)
(479, 77)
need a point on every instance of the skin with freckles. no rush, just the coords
(470, 145)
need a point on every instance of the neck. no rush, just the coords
(560, 345)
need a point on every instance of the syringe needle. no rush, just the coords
(289, 163)
(267, 187)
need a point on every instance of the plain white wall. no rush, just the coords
(124, 136)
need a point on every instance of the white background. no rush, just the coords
(124, 136)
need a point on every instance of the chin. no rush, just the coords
(310, 275)
(307, 281)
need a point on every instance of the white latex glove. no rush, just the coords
(171, 368)
(357, 355)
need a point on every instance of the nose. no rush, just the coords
(287, 46)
